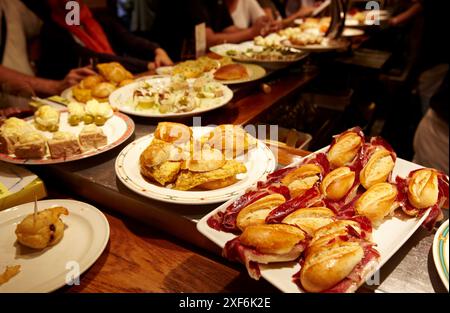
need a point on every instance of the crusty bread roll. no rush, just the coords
(302, 179)
(156, 153)
(377, 202)
(233, 140)
(272, 238)
(231, 72)
(328, 265)
(257, 212)
(205, 160)
(377, 169)
(344, 149)
(423, 189)
(103, 90)
(91, 81)
(310, 219)
(334, 230)
(337, 183)
(173, 132)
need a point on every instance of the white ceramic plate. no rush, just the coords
(254, 71)
(118, 129)
(259, 162)
(348, 31)
(274, 64)
(389, 237)
(382, 15)
(122, 99)
(330, 46)
(85, 238)
(440, 252)
(352, 32)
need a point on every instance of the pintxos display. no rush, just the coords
(110, 77)
(195, 165)
(171, 96)
(326, 223)
(54, 136)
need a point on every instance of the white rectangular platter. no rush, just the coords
(389, 237)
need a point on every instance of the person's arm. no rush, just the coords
(124, 40)
(233, 34)
(301, 13)
(404, 17)
(256, 11)
(14, 82)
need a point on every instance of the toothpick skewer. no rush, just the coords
(35, 209)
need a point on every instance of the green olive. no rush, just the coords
(88, 119)
(100, 120)
(74, 120)
(53, 128)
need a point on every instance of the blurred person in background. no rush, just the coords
(299, 8)
(286, 12)
(431, 143)
(245, 13)
(104, 39)
(19, 27)
(220, 26)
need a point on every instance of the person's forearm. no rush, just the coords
(230, 37)
(14, 82)
(303, 12)
(415, 9)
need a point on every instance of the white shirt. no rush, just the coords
(22, 24)
(246, 13)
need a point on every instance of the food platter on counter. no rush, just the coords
(326, 45)
(116, 130)
(268, 57)
(142, 97)
(256, 162)
(290, 226)
(253, 72)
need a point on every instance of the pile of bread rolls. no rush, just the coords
(321, 211)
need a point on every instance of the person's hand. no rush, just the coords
(393, 21)
(162, 58)
(261, 26)
(73, 78)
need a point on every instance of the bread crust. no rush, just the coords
(423, 189)
(337, 183)
(377, 169)
(257, 212)
(310, 219)
(330, 264)
(231, 72)
(344, 149)
(377, 202)
(272, 238)
(173, 132)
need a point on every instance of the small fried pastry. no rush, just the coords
(44, 230)
(91, 81)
